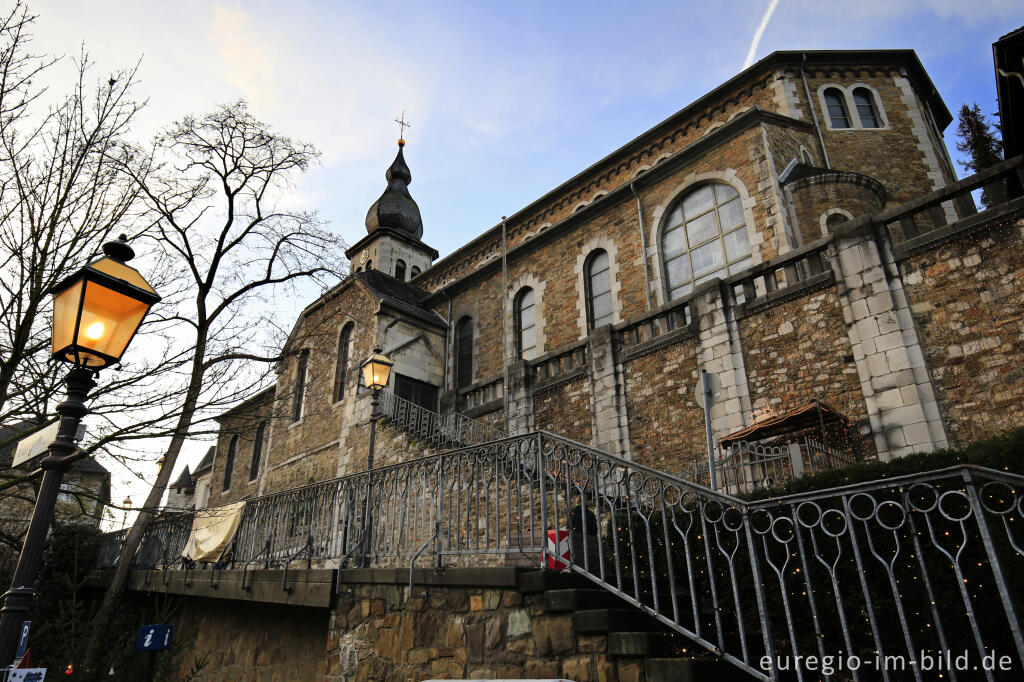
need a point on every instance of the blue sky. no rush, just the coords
(507, 100)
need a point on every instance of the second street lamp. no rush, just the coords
(376, 371)
(96, 312)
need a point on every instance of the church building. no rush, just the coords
(766, 234)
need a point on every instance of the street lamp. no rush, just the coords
(127, 504)
(376, 370)
(96, 312)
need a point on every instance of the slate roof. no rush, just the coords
(206, 463)
(402, 296)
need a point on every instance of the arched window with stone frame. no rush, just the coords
(598, 289)
(400, 270)
(301, 368)
(341, 368)
(464, 352)
(867, 111)
(229, 462)
(835, 103)
(703, 236)
(525, 324)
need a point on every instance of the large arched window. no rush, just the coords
(341, 368)
(836, 105)
(400, 269)
(464, 352)
(866, 110)
(257, 450)
(598, 289)
(705, 236)
(229, 462)
(525, 324)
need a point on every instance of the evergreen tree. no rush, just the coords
(983, 148)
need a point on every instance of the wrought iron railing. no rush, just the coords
(746, 467)
(442, 431)
(881, 573)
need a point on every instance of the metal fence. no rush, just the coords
(746, 467)
(883, 573)
(442, 431)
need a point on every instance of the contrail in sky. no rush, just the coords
(759, 32)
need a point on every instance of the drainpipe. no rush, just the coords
(643, 245)
(814, 115)
(504, 314)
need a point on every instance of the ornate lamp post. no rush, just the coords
(96, 312)
(376, 371)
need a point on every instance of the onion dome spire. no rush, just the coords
(395, 209)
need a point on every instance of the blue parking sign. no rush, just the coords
(155, 637)
(23, 639)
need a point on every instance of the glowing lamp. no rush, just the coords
(376, 370)
(97, 310)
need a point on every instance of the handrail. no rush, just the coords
(448, 431)
(859, 567)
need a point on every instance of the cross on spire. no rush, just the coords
(402, 125)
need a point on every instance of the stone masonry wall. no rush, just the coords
(243, 422)
(564, 409)
(966, 297)
(458, 632)
(666, 426)
(797, 351)
(240, 641)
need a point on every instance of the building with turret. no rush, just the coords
(766, 234)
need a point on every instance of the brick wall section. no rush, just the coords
(797, 351)
(966, 300)
(666, 426)
(564, 409)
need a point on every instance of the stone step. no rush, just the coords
(698, 669)
(614, 620)
(542, 581)
(576, 599)
(644, 644)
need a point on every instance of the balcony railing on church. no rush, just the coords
(440, 431)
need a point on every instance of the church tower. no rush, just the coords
(394, 227)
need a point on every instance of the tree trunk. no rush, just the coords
(133, 540)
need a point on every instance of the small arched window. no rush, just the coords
(598, 289)
(369, 265)
(229, 462)
(359, 269)
(836, 104)
(257, 450)
(704, 236)
(400, 269)
(464, 353)
(525, 324)
(866, 110)
(834, 220)
(341, 369)
(805, 157)
(300, 385)
(415, 272)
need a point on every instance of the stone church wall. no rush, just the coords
(564, 409)
(967, 299)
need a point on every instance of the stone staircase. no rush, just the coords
(642, 649)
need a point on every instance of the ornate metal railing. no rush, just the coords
(888, 575)
(442, 431)
(746, 467)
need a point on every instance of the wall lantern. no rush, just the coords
(376, 370)
(97, 310)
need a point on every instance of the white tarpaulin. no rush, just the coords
(212, 530)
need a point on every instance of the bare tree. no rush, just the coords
(217, 188)
(62, 192)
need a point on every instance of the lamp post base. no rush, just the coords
(18, 599)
